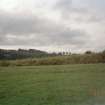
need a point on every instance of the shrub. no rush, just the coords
(59, 60)
(4, 63)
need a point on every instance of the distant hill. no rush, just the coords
(22, 53)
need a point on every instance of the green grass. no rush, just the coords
(53, 85)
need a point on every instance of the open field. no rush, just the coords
(82, 84)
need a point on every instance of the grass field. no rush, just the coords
(53, 85)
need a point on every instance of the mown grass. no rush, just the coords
(53, 85)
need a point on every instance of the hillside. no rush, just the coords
(21, 53)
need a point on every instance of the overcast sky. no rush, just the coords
(53, 25)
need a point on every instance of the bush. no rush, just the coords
(5, 63)
(59, 60)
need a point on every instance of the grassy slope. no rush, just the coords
(53, 85)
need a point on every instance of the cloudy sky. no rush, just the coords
(53, 25)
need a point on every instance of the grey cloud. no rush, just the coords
(64, 4)
(43, 31)
(17, 24)
(67, 36)
(85, 10)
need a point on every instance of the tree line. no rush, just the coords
(21, 54)
(37, 57)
